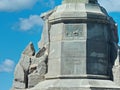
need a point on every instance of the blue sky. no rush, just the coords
(20, 23)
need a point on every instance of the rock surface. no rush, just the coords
(116, 69)
(29, 51)
(30, 69)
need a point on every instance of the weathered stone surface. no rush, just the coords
(21, 73)
(116, 69)
(31, 68)
(25, 62)
(40, 52)
(19, 78)
(76, 84)
(79, 47)
(34, 79)
(29, 50)
(77, 50)
(19, 85)
(42, 67)
(22, 68)
(116, 74)
(37, 71)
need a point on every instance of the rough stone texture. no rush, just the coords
(25, 62)
(31, 68)
(19, 85)
(34, 79)
(78, 50)
(21, 72)
(116, 73)
(37, 71)
(30, 51)
(116, 69)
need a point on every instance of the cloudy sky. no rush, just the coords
(20, 23)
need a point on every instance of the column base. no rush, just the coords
(76, 84)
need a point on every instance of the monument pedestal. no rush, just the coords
(80, 42)
(76, 84)
(79, 55)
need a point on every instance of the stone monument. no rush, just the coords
(78, 51)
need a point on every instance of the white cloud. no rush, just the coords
(13, 5)
(110, 5)
(7, 66)
(29, 23)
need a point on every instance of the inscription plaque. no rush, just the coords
(74, 31)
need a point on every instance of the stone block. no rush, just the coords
(19, 85)
(19, 75)
(73, 49)
(116, 74)
(56, 34)
(34, 79)
(76, 84)
(29, 50)
(25, 62)
(55, 50)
